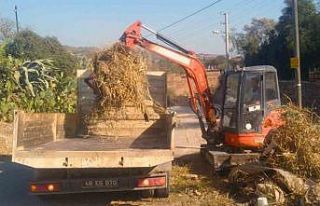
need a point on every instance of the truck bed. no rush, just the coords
(50, 140)
(103, 144)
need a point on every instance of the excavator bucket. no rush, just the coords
(131, 35)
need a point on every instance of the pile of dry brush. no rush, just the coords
(298, 143)
(121, 77)
(121, 85)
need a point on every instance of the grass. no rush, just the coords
(200, 189)
(191, 184)
(183, 180)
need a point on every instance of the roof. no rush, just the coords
(260, 68)
(266, 68)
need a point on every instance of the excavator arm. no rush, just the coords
(201, 100)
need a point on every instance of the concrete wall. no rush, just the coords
(6, 134)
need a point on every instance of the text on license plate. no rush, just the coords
(100, 183)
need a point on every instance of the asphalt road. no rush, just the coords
(14, 178)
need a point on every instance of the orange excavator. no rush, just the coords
(249, 102)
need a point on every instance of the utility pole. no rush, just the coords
(17, 22)
(226, 24)
(297, 54)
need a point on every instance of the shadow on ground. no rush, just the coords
(14, 179)
(199, 166)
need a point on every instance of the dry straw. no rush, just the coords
(298, 143)
(121, 78)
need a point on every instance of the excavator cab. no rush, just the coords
(250, 103)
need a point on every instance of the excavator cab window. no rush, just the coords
(272, 91)
(252, 106)
(231, 101)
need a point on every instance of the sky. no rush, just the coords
(101, 22)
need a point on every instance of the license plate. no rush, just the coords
(100, 183)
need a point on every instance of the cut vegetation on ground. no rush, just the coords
(192, 184)
(297, 143)
(289, 174)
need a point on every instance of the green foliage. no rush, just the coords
(255, 35)
(277, 46)
(37, 75)
(218, 62)
(28, 45)
(35, 86)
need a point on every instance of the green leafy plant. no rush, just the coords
(34, 86)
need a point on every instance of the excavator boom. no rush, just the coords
(201, 100)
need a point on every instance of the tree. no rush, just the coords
(218, 62)
(6, 29)
(276, 47)
(28, 45)
(255, 35)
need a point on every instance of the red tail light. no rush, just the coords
(151, 182)
(47, 187)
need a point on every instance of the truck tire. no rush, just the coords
(147, 193)
(163, 192)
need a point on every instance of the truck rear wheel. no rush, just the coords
(163, 192)
(147, 193)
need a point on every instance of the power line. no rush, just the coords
(197, 28)
(251, 10)
(239, 17)
(250, 6)
(190, 15)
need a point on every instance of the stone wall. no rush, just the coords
(6, 134)
(178, 90)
